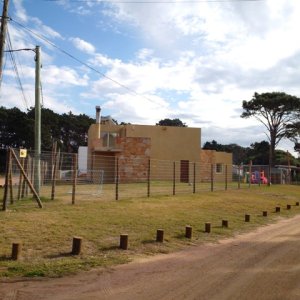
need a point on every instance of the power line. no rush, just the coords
(82, 62)
(158, 2)
(14, 65)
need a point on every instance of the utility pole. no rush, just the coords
(37, 131)
(3, 33)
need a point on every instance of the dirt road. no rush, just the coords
(264, 264)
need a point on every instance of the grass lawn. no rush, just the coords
(46, 234)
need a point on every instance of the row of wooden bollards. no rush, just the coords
(265, 213)
(77, 241)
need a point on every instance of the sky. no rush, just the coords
(143, 61)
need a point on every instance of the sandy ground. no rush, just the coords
(264, 264)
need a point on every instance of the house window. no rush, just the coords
(219, 168)
(109, 139)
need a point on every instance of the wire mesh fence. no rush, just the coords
(56, 175)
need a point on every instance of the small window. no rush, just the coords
(219, 168)
(109, 139)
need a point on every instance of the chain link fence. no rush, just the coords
(56, 175)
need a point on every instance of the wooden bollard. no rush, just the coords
(277, 209)
(160, 235)
(76, 246)
(265, 213)
(288, 206)
(207, 227)
(247, 218)
(16, 251)
(188, 232)
(124, 241)
(225, 223)
(297, 203)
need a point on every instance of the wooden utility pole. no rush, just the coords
(3, 34)
(37, 131)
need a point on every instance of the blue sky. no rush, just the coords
(193, 60)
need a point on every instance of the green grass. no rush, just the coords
(46, 234)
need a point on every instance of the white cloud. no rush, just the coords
(83, 45)
(62, 76)
(20, 11)
(144, 54)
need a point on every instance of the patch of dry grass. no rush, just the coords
(46, 234)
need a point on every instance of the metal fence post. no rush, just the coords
(212, 178)
(174, 178)
(74, 177)
(226, 178)
(194, 179)
(239, 176)
(148, 178)
(250, 173)
(117, 179)
(5, 194)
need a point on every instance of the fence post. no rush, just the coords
(117, 179)
(174, 178)
(8, 162)
(74, 177)
(20, 180)
(239, 176)
(226, 178)
(160, 235)
(124, 241)
(148, 178)
(10, 183)
(24, 186)
(212, 178)
(250, 173)
(54, 174)
(194, 179)
(16, 251)
(76, 245)
(188, 231)
(270, 175)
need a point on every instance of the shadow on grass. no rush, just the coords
(221, 227)
(5, 258)
(60, 255)
(181, 236)
(109, 248)
(152, 241)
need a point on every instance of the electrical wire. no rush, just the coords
(82, 62)
(158, 2)
(15, 68)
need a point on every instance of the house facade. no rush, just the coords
(135, 152)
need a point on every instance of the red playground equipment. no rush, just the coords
(259, 177)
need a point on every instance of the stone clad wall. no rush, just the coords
(133, 158)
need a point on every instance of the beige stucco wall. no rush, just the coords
(209, 157)
(169, 143)
(166, 144)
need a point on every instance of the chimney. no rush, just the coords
(98, 118)
(98, 121)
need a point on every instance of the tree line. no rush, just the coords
(257, 152)
(69, 130)
(277, 111)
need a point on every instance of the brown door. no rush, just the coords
(184, 170)
(105, 163)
